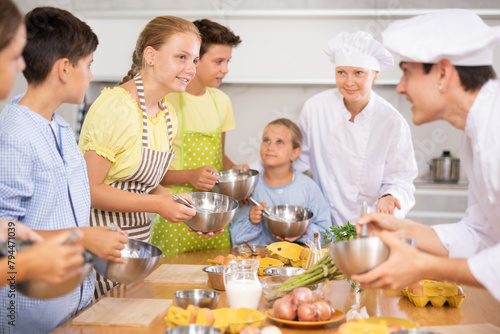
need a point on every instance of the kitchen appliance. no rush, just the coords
(445, 168)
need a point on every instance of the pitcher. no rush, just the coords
(243, 288)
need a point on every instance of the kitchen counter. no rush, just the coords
(479, 307)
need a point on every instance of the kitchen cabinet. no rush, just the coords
(439, 203)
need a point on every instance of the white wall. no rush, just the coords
(280, 63)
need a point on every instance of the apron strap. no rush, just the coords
(142, 105)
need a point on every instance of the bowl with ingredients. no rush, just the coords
(284, 271)
(197, 297)
(216, 276)
(359, 255)
(213, 211)
(271, 288)
(288, 221)
(256, 251)
(142, 258)
(236, 183)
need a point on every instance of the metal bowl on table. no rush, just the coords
(193, 329)
(197, 297)
(358, 256)
(284, 271)
(216, 276)
(213, 211)
(142, 259)
(236, 183)
(271, 284)
(288, 221)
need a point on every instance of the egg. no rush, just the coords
(270, 330)
(394, 327)
(250, 330)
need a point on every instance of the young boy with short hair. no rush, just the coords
(43, 178)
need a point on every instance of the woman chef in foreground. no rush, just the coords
(357, 144)
(447, 75)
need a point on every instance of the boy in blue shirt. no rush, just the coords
(43, 178)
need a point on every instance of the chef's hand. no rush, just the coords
(290, 239)
(52, 260)
(379, 222)
(256, 211)
(174, 211)
(396, 272)
(105, 243)
(18, 230)
(206, 234)
(204, 178)
(388, 204)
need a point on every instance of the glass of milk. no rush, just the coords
(243, 288)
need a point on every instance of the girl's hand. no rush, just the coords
(173, 211)
(291, 239)
(105, 243)
(255, 215)
(204, 178)
(388, 204)
(206, 234)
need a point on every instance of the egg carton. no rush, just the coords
(437, 293)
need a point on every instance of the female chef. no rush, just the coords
(357, 145)
(448, 76)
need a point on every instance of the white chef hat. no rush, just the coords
(458, 35)
(358, 49)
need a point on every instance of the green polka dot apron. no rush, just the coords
(197, 149)
(151, 170)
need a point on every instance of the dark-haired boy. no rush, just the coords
(43, 178)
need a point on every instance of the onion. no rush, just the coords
(302, 295)
(308, 312)
(284, 308)
(325, 310)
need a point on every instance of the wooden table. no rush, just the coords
(479, 306)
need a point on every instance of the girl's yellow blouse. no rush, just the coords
(113, 128)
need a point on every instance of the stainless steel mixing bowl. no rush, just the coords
(193, 329)
(293, 220)
(236, 183)
(213, 211)
(197, 297)
(358, 256)
(142, 259)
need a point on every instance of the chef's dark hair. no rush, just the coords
(156, 34)
(214, 33)
(294, 130)
(10, 20)
(472, 78)
(53, 34)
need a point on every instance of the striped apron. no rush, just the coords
(151, 170)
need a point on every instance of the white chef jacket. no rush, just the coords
(356, 162)
(477, 235)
